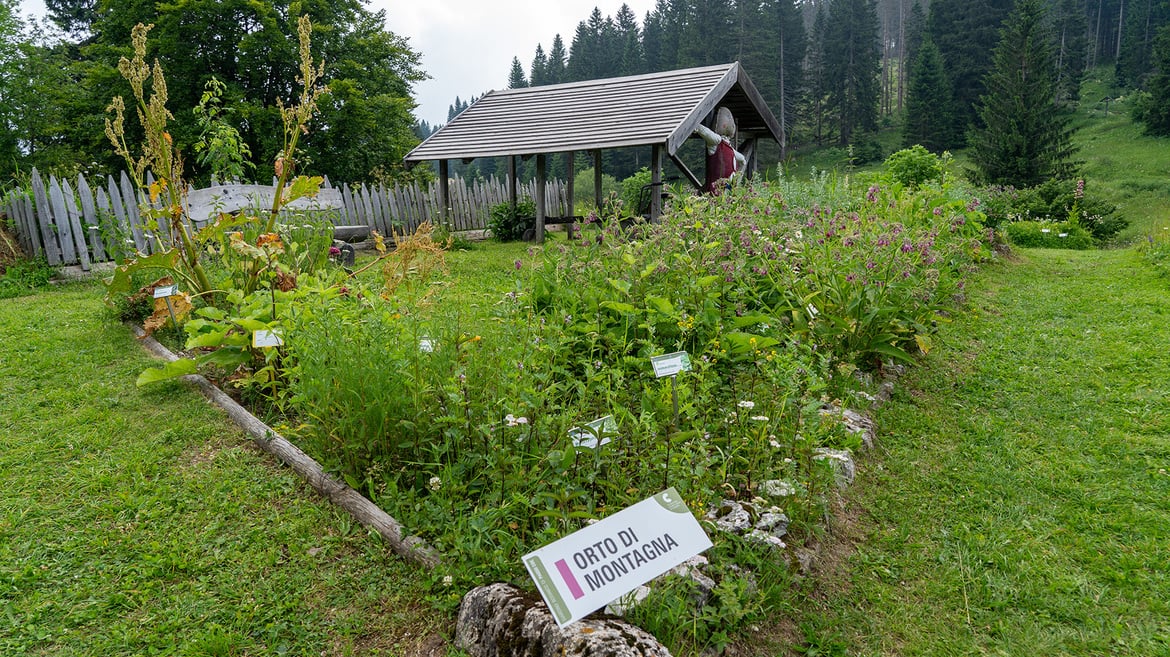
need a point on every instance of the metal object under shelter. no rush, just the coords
(660, 110)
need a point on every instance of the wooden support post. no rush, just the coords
(444, 193)
(541, 210)
(512, 183)
(656, 182)
(597, 179)
(569, 188)
(748, 148)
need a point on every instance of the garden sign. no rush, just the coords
(590, 568)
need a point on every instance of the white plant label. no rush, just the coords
(590, 568)
(587, 436)
(671, 364)
(266, 338)
(426, 345)
(164, 291)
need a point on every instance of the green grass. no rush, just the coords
(1121, 164)
(1019, 502)
(142, 522)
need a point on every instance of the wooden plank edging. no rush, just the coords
(363, 510)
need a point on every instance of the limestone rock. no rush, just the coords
(765, 538)
(500, 620)
(774, 488)
(773, 522)
(842, 462)
(854, 422)
(730, 516)
(692, 570)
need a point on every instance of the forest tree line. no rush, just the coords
(833, 71)
(58, 76)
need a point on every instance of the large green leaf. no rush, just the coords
(661, 305)
(171, 370)
(120, 282)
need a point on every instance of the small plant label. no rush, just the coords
(266, 338)
(587, 436)
(426, 345)
(590, 568)
(164, 291)
(671, 364)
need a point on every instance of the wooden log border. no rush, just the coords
(412, 548)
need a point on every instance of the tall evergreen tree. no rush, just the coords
(1026, 138)
(1154, 109)
(1143, 19)
(930, 119)
(516, 79)
(708, 34)
(557, 59)
(852, 60)
(817, 75)
(631, 61)
(539, 73)
(1070, 34)
(786, 51)
(966, 32)
(583, 55)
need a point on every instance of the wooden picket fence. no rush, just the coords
(92, 223)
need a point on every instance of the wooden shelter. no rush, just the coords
(660, 110)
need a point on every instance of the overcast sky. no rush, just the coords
(467, 45)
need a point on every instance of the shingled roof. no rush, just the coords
(654, 109)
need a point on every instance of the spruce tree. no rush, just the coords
(1154, 108)
(516, 79)
(930, 119)
(1070, 31)
(540, 73)
(557, 58)
(786, 48)
(1025, 139)
(966, 32)
(852, 60)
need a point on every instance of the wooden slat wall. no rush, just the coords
(101, 222)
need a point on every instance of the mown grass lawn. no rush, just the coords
(1019, 502)
(136, 522)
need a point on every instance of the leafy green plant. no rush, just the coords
(507, 224)
(915, 166)
(25, 277)
(219, 147)
(1055, 201)
(1047, 235)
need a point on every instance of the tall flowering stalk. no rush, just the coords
(159, 156)
(296, 123)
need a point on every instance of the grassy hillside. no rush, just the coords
(1120, 164)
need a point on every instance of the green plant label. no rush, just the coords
(590, 568)
(598, 432)
(164, 291)
(266, 338)
(671, 364)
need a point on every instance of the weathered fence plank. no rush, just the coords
(75, 228)
(133, 215)
(90, 221)
(60, 219)
(45, 220)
